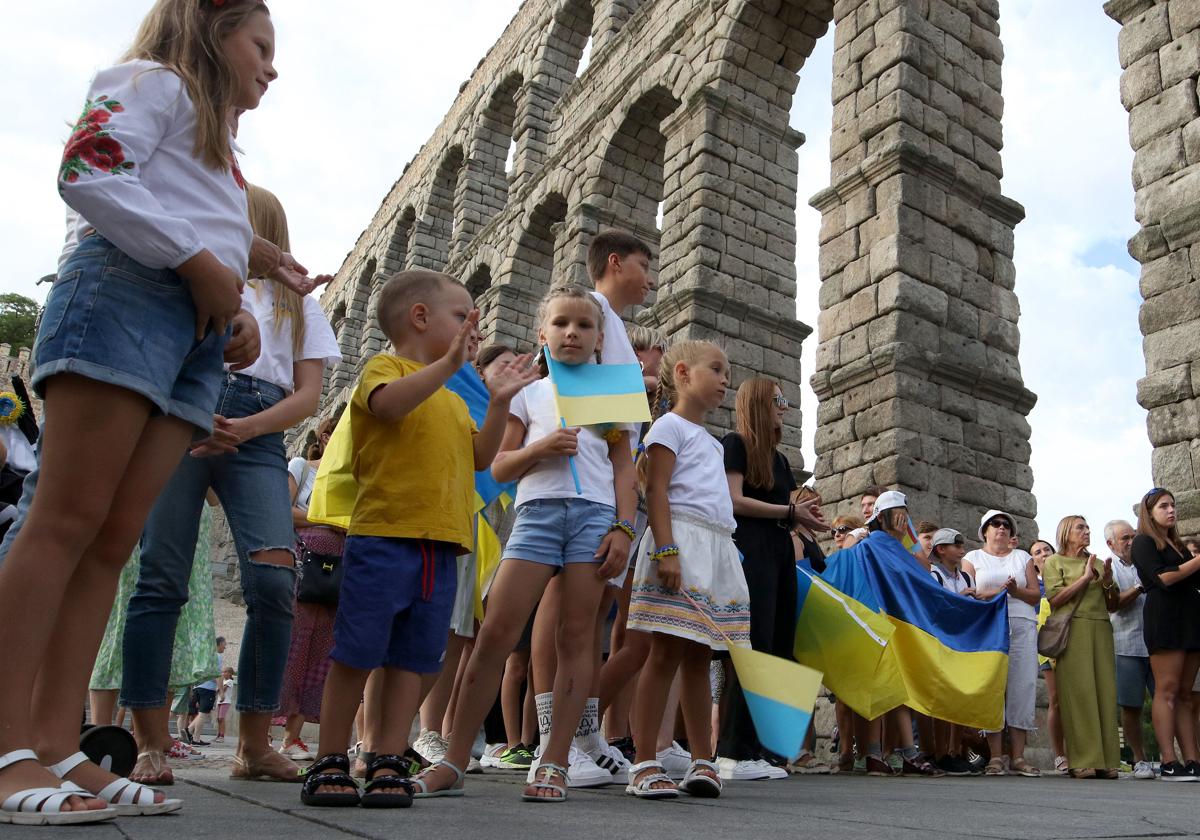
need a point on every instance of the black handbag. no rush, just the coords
(320, 577)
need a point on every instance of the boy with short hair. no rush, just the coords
(619, 267)
(416, 451)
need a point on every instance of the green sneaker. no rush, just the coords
(516, 758)
(895, 761)
(860, 764)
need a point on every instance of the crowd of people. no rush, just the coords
(179, 343)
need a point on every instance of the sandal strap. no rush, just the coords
(67, 764)
(388, 761)
(338, 778)
(127, 792)
(339, 762)
(45, 800)
(634, 769)
(459, 775)
(15, 756)
(550, 767)
(390, 782)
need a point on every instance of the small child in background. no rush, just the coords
(225, 699)
(946, 551)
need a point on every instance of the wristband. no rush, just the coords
(623, 525)
(668, 550)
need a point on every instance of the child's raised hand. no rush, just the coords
(561, 442)
(505, 381)
(670, 574)
(613, 553)
(456, 354)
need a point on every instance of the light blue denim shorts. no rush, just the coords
(112, 319)
(555, 532)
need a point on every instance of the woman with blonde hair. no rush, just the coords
(1171, 627)
(1086, 669)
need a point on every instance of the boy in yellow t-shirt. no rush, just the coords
(416, 451)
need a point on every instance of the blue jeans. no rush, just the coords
(252, 485)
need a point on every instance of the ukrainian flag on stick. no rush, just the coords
(780, 695)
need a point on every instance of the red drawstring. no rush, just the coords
(427, 571)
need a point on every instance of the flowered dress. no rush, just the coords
(195, 657)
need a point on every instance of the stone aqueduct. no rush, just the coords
(684, 106)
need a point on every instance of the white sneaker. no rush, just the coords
(582, 771)
(742, 771)
(297, 752)
(675, 760)
(774, 773)
(490, 760)
(474, 767)
(1143, 770)
(431, 746)
(609, 758)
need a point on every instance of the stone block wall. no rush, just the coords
(1159, 50)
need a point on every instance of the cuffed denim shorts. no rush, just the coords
(112, 319)
(555, 532)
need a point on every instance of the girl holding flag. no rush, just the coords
(688, 586)
(575, 504)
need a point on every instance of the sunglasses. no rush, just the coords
(842, 529)
(1001, 523)
(780, 401)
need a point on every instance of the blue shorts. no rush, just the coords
(395, 605)
(1134, 679)
(112, 319)
(555, 532)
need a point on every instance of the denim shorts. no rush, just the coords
(394, 609)
(555, 532)
(1134, 679)
(112, 319)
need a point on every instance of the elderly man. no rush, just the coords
(1134, 677)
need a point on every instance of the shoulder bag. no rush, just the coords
(320, 574)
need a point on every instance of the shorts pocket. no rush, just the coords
(161, 281)
(62, 293)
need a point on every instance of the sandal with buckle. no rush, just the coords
(642, 787)
(995, 767)
(395, 791)
(130, 799)
(43, 806)
(422, 785)
(1023, 768)
(542, 780)
(332, 770)
(697, 782)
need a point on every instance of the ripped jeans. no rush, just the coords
(252, 485)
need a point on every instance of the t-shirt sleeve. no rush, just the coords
(319, 340)
(377, 372)
(1054, 576)
(1149, 561)
(519, 405)
(129, 109)
(735, 453)
(667, 432)
(296, 470)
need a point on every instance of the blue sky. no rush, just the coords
(362, 89)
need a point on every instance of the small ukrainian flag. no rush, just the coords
(780, 695)
(591, 395)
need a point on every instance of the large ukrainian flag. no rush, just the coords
(946, 655)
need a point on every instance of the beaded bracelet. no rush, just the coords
(668, 550)
(624, 525)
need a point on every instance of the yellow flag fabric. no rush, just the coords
(334, 488)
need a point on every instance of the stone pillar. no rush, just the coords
(917, 374)
(1159, 49)
(728, 250)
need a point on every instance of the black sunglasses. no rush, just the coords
(842, 529)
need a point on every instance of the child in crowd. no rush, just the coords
(225, 700)
(584, 535)
(416, 451)
(150, 171)
(946, 551)
(688, 588)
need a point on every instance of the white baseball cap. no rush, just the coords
(887, 500)
(945, 536)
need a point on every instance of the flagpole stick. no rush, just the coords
(571, 463)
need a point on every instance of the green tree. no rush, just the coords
(18, 315)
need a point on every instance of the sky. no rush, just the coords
(360, 91)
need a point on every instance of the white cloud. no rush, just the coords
(364, 84)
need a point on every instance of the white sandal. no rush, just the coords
(42, 806)
(542, 777)
(642, 789)
(130, 799)
(701, 784)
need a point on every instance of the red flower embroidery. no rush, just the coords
(237, 172)
(104, 153)
(97, 117)
(92, 146)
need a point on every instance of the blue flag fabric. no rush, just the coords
(467, 383)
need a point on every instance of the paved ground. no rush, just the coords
(839, 807)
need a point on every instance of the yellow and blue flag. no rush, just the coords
(780, 696)
(591, 395)
(946, 655)
(467, 383)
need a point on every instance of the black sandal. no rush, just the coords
(395, 790)
(331, 769)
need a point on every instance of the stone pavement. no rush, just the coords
(840, 807)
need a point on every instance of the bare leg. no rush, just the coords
(666, 729)
(1167, 666)
(1185, 721)
(291, 729)
(654, 684)
(695, 697)
(433, 710)
(511, 701)
(1131, 725)
(402, 692)
(102, 704)
(339, 704)
(460, 668)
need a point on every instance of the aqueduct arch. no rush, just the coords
(685, 104)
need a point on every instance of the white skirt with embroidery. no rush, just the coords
(718, 612)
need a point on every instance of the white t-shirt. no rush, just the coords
(276, 357)
(305, 477)
(129, 170)
(550, 478)
(617, 349)
(992, 571)
(698, 484)
(21, 453)
(955, 581)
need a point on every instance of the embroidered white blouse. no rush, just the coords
(130, 171)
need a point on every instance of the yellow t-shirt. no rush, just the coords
(416, 477)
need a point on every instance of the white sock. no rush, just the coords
(545, 711)
(587, 736)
